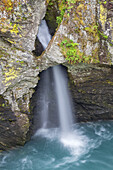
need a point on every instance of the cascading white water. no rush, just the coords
(74, 140)
(62, 92)
(63, 100)
(44, 37)
(45, 100)
(43, 34)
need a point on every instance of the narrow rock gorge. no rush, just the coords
(88, 25)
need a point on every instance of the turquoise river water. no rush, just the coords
(89, 148)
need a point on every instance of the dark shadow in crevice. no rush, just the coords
(51, 16)
(38, 48)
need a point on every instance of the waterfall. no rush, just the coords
(61, 89)
(44, 37)
(55, 105)
(43, 34)
(44, 104)
(63, 99)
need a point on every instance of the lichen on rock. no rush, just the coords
(18, 74)
(105, 21)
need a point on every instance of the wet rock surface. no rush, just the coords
(92, 92)
(13, 126)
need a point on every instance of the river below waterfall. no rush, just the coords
(91, 150)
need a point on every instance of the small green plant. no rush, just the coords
(73, 54)
(3, 105)
(37, 67)
(59, 18)
(93, 30)
(63, 6)
(103, 35)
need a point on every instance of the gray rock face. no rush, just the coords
(18, 78)
(91, 87)
(105, 21)
(18, 75)
(27, 17)
(13, 126)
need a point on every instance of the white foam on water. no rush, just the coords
(79, 144)
(101, 130)
(76, 143)
(4, 159)
(26, 163)
(51, 133)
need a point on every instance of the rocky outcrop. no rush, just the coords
(25, 21)
(105, 21)
(18, 74)
(17, 77)
(13, 126)
(91, 87)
